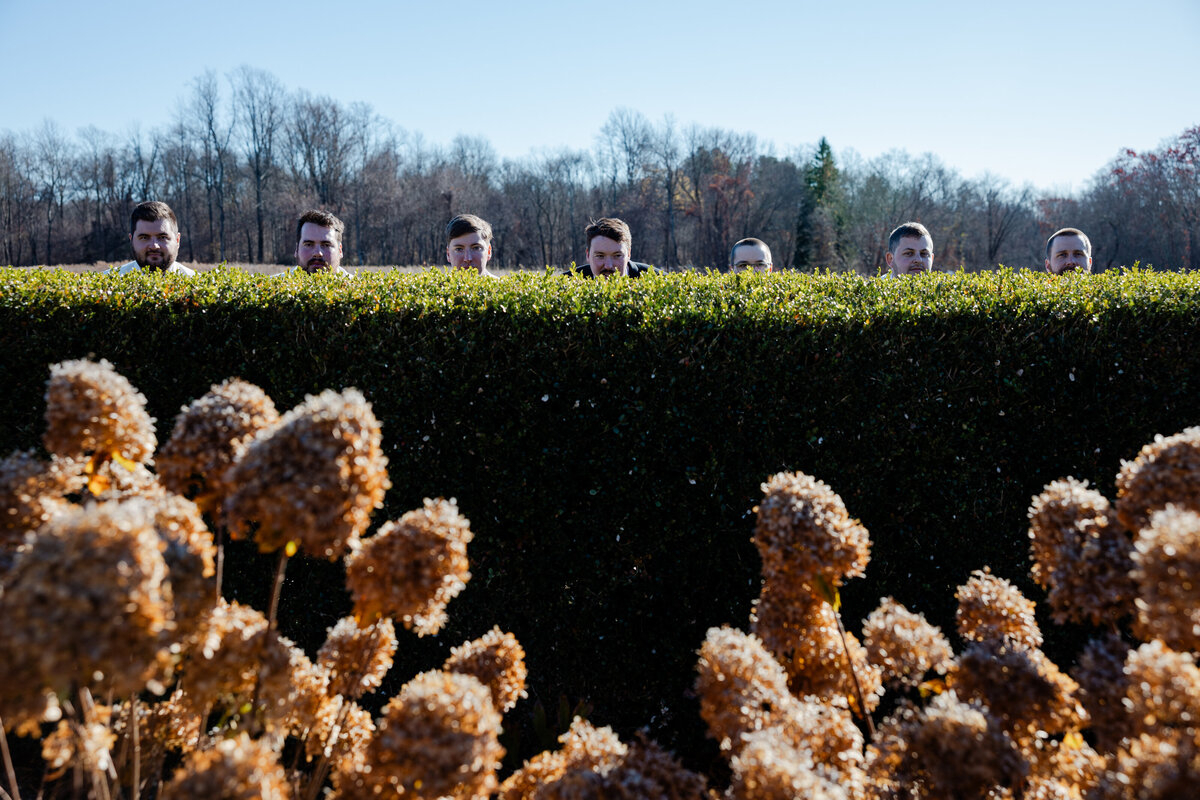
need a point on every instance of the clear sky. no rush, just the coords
(1043, 92)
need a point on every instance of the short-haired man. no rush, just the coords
(1067, 250)
(469, 244)
(750, 254)
(319, 243)
(154, 234)
(608, 245)
(910, 250)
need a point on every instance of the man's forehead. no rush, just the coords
(915, 243)
(750, 252)
(317, 233)
(471, 237)
(1068, 242)
(155, 226)
(606, 244)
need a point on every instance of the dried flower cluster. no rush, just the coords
(93, 410)
(313, 478)
(356, 659)
(209, 435)
(411, 569)
(240, 768)
(904, 645)
(498, 661)
(1167, 573)
(1165, 471)
(991, 609)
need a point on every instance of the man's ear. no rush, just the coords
(888, 257)
(1048, 265)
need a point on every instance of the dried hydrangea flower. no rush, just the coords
(1022, 688)
(1100, 672)
(239, 768)
(308, 692)
(947, 750)
(31, 492)
(1061, 765)
(90, 595)
(498, 661)
(233, 650)
(904, 645)
(646, 772)
(209, 435)
(437, 737)
(1163, 766)
(804, 533)
(171, 724)
(992, 609)
(112, 480)
(357, 658)
(584, 748)
(1080, 553)
(769, 768)
(189, 553)
(90, 408)
(342, 733)
(1167, 574)
(801, 631)
(314, 478)
(739, 684)
(1163, 688)
(86, 745)
(412, 568)
(1165, 471)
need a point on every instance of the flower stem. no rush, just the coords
(862, 706)
(9, 771)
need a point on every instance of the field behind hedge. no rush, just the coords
(607, 439)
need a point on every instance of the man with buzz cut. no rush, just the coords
(608, 245)
(1068, 250)
(750, 254)
(910, 250)
(469, 244)
(319, 243)
(154, 234)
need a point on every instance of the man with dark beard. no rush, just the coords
(319, 243)
(154, 234)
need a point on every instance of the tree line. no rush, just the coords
(243, 156)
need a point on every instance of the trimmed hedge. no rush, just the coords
(607, 439)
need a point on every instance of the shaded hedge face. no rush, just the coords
(607, 439)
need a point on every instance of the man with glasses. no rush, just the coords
(750, 254)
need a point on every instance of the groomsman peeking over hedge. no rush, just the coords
(469, 244)
(154, 235)
(1068, 250)
(609, 243)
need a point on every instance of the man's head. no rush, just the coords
(608, 246)
(1068, 249)
(750, 254)
(910, 249)
(154, 234)
(468, 242)
(319, 241)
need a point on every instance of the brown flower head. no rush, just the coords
(646, 772)
(804, 533)
(740, 685)
(947, 750)
(1165, 471)
(904, 645)
(88, 745)
(498, 661)
(412, 568)
(90, 408)
(1103, 684)
(584, 748)
(239, 768)
(31, 492)
(89, 595)
(438, 737)
(992, 609)
(210, 434)
(113, 480)
(1163, 689)
(1080, 553)
(1167, 574)
(1056, 766)
(188, 550)
(314, 478)
(342, 733)
(768, 767)
(357, 658)
(1164, 766)
(801, 631)
(1024, 690)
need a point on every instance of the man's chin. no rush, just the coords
(158, 264)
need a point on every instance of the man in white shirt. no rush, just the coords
(154, 234)
(319, 243)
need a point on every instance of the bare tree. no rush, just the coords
(259, 105)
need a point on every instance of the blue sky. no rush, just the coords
(1041, 92)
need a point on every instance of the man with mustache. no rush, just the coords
(608, 244)
(319, 243)
(154, 234)
(1067, 250)
(910, 250)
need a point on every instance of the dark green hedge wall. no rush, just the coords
(607, 439)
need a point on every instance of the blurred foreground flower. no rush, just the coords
(239, 768)
(357, 658)
(93, 410)
(1165, 471)
(1167, 573)
(314, 478)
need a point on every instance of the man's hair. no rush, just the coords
(752, 242)
(322, 218)
(152, 211)
(468, 223)
(1087, 243)
(609, 228)
(913, 229)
